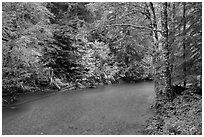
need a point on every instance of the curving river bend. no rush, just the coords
(113, 109)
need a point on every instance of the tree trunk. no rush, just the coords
(167, 73)
(153, 21)
(184, 46)
(172, 40)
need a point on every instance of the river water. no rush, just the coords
(113, 109)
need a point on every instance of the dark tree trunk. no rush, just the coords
(173, 39)
(184, 46)
(167, 73)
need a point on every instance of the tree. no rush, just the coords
(25, 31)
(167, 72)
(184, 46)
(91, 41)
(121, 27)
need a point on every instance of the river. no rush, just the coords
(107, 110)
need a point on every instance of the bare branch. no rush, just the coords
(135, 26)
(138, 11)
(130, 25)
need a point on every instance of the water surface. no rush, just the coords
(114, 109)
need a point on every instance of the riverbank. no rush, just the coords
(183, 116)
(35, 92)
(26, 92)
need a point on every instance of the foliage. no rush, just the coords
(99, 43)
(183, 116)
(24, 35)
(192, 36)
(60, 54)
(86, 44)
(99, 65)
(128, 45)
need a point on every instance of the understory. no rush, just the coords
(182, 116)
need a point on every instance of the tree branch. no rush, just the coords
(134, 26)
(130, 25)
(138, 11)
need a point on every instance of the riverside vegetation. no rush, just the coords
(53, 46)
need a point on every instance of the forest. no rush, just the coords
(54, 46)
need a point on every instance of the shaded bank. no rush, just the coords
(182, 116)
